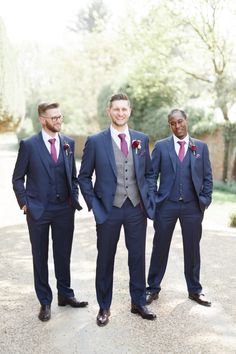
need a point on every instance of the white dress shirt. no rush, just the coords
(46, 137)
(115, 133)
(177, 146)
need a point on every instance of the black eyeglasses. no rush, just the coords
(55, 119)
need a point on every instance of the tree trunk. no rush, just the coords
(226, 159)
(227, 135)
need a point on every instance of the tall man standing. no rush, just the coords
(185, 190)
(121, 195)
(49, 199)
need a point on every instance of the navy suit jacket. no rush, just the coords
(33, 163)
(99, 157)
(164, 165)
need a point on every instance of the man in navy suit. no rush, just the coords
(49, 197)
(185, 190)
(123, 194)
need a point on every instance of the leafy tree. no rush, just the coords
(206, 52)
(91, 18)
(144, 73)
(12, 104)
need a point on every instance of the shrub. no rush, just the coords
(229, 187)
(233, 220)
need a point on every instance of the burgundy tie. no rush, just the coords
(181, 150)
(53, 149)
(123, 144)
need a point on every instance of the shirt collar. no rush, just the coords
(186, 139)
(46, 137)
(116, 132)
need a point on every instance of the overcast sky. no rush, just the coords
(42, 20)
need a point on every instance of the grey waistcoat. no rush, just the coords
(126, 180)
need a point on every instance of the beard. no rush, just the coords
(52, 128)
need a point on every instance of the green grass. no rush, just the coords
(221, 197)
(225, 186)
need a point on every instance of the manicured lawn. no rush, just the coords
(224, 197)
(222, 206)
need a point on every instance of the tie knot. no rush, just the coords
(122, 136)
(181, 143)
(52, 141)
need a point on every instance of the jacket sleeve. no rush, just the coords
(149, 173)
(20, 170)
(156, 164)
(74, 179)
(86, 172)
(207, 186)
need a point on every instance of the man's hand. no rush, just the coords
(24, 208)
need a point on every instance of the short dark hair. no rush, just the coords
(118, 97)
(44, 106)
(175, 110)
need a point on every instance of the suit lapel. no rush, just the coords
(109, 149)
(172, 152)
(66, 158)
(43, 153)
(134, 136)
(192, 157)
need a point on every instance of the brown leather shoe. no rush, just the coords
(199, 298)
(45, 313)
(103, 317)
(151, 296)
(72, 301)
(143, 312)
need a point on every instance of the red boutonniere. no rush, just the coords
(66, 148)
(193, 148)
(136, 144)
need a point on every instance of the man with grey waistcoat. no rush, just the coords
(122, 195)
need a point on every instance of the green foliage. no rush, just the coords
(102, 103)
(169, 55)
(25, 130)
(229, 187)
(12, 104)
(233, 220)
(91, 18)
(220, 197)
(207, 54)
(229, 131)
(144, 75)
(204, 127)
(201, 121)
(149, 115)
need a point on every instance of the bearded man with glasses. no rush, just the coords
(46, 187)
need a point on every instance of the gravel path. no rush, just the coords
(181, 326)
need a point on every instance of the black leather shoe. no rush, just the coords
(103, 317)
(151, 296)
(45, 313)
(143, 312)
(199, 298)
(72, 301)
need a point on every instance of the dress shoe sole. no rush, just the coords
(151, 318)
(75, 306)
(44, 319)
(203, 303)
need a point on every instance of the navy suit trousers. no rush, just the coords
(190, 217)
(61, 222)
(134, 222)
